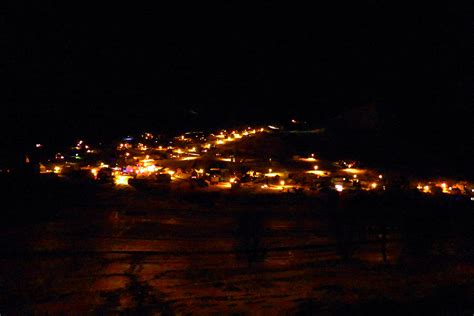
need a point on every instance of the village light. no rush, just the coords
(121, 180)
(380, 176)
(316, 167)
(94, 172)
(374, 185)
(444, 186)
(339, 187)
(57, 169)
(353, 170)
(151, 168)
(282, 182)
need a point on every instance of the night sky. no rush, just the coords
(96, 70)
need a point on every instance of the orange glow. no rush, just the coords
(353, 170)
(309, 159)
(318, 172)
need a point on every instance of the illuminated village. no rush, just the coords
(231, 159)
(224, 159)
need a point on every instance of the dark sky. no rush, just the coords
(75, 69)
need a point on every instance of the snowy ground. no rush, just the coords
(142, 253)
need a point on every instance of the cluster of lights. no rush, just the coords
(223, 137)
(191, 151)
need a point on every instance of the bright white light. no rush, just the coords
(339, 187)
(121, 179)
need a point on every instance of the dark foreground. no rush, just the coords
(82, 249)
